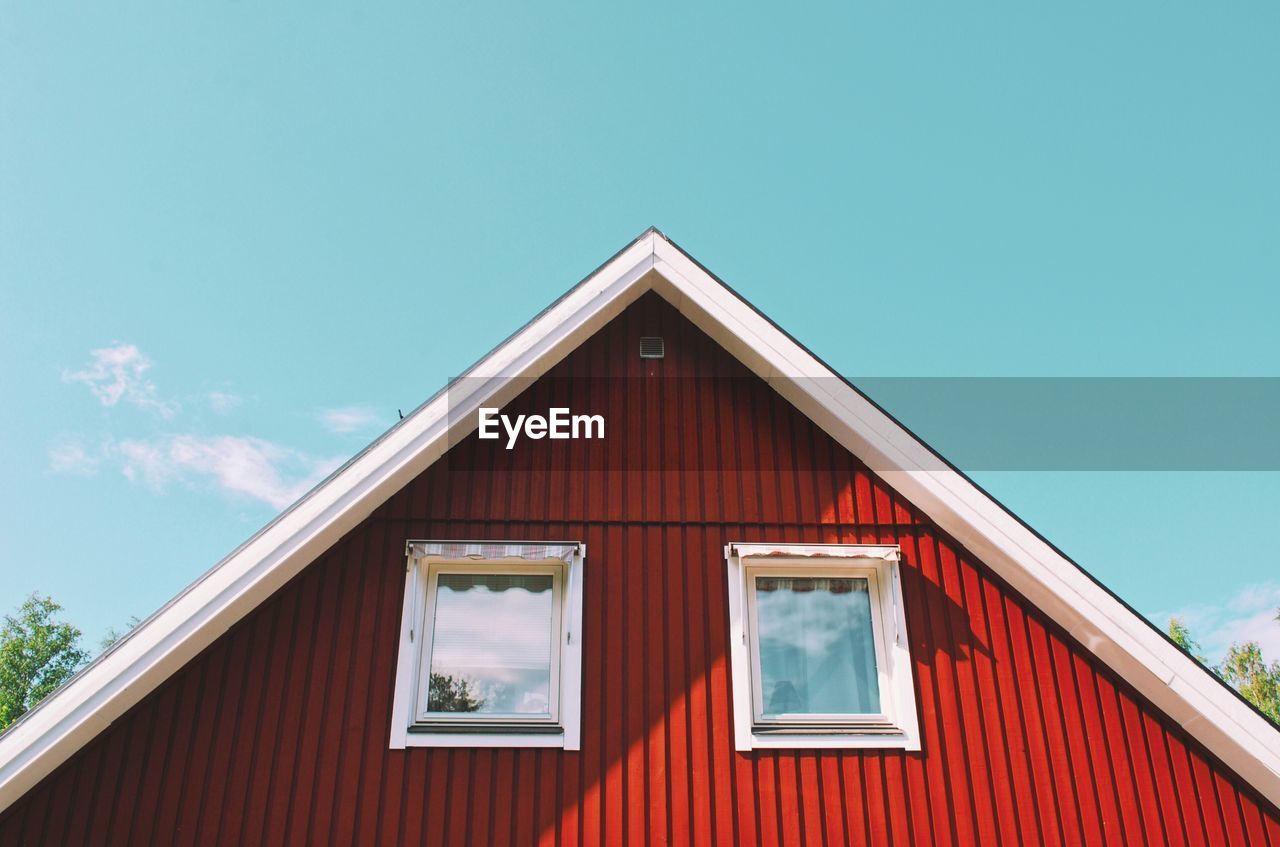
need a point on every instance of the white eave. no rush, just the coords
(1231, 730)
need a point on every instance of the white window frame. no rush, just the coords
(413, 726)
(896, 726)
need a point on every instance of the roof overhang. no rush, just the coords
(1184, 690)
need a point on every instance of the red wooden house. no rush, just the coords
(737, 603)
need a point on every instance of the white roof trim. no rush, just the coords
(171, 637)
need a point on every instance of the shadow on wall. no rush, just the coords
(657, 758)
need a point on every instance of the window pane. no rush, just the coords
(491, 644)
(817, 655)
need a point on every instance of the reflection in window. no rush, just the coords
(491, 644)
(816, 646)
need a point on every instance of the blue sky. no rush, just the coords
(233, 241)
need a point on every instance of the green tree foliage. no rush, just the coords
(1247, 671)
(38, 652)
(452, 694)
(1243, 668)
(1181, 635)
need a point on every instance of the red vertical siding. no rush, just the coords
(278, 732)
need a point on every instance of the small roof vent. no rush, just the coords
(652, 347)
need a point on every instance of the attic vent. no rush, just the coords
(652, 347)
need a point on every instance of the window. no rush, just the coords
(489, 648)
(819, 649)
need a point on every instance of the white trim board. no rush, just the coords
(1175, 683)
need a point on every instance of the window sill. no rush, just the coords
(489, 728)
(835, 738)
(454, 736)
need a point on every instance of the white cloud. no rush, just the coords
(1248, 616)
(348, 418)
(72, 458)
(120, 373)
(223, 402)
(245, 466)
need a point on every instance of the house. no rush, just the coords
(749, 608)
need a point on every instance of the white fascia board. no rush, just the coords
(174, 635)
(1175, 683)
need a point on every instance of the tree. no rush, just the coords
(1181, 635)
(38, 652)
(452, 694)
(1243, 668)
(1247, 671)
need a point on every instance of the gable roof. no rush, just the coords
(1184, 690)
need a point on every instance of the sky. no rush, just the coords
(234, 241)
